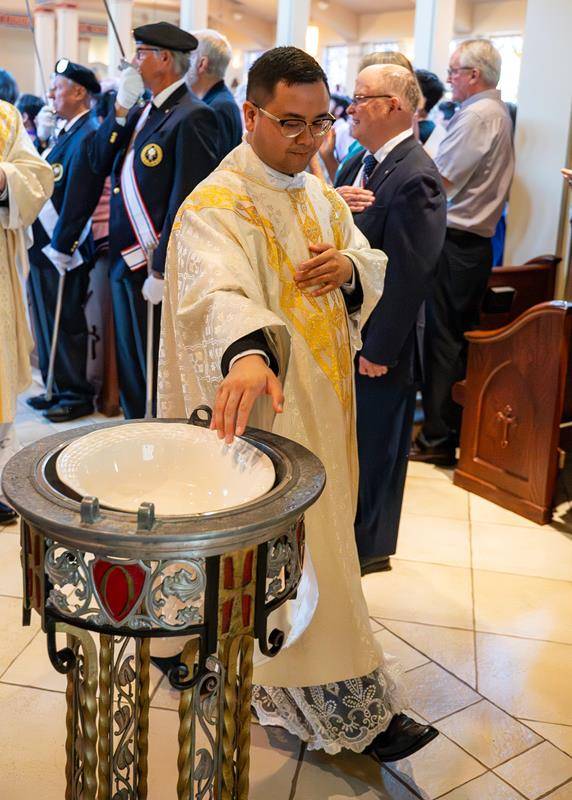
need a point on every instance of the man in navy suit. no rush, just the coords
(209, 63)
(396, 195)
(156, 154)
(63, 245)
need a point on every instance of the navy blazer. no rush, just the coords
(70, 176)
(220, 99)
(185, 134)
(408, 222)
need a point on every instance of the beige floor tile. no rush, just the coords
(486, 787)
(435, 693)
(542, 553)
(417, 469)
(347, 775)
(563, 793)
(34, 668)
(437, 768)
(484, 511)
(488, 733)
(526, 678)
(375, 625)
(33, 754)
(408, 657)
(13, 636)
(273, 759)
(436, 540)
(560, 735)
(416, 592)
(537, 771)
(430, 498)
(519, 605)
(30, 430)
(451, 648)
(10, 569)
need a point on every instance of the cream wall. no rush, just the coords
(17, 56)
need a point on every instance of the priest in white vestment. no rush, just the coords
(268, 283)
(26, 182)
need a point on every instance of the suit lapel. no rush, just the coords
(350, 170)
(384, 170)
(159, 116)
(63, 142)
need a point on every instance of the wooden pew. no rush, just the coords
(517, 399)
(514, 289)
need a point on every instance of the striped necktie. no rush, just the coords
(369, 164)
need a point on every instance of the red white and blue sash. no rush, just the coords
(147, 237)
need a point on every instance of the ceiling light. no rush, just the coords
(323, 5)
(236, 15)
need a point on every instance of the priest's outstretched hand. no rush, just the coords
(326, 271)
(249, 378)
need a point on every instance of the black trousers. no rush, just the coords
(453, 308)
(70, 382)
(130, 318)
(385, 409)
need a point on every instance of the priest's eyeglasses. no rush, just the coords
(294, 127)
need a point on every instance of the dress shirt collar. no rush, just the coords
(386, 148)
(70, 123)
(491, 94)
(164, 95)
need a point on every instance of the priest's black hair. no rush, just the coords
(288, 64)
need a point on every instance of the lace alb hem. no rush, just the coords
(334, 716)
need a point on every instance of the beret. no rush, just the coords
(78, 74)
(166, 36)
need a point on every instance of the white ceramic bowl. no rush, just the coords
(182, 469)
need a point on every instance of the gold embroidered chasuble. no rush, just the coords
(30, 183)
(234, 248)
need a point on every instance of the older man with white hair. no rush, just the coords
(476, 163)
(206, 74)
(399, 204)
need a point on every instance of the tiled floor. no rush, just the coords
(478, 609)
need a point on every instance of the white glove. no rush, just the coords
(130, 87)
(153, 289)
(61, 261)
(45, 123)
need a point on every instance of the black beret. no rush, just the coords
(82, 75)
(166, 36)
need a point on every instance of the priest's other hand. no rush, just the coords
(370, 369)
(358, 199)
(325, 272)
(248, 379)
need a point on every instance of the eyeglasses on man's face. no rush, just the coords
(140, 51)
(291, 128)
(360, 99)
(454, 70)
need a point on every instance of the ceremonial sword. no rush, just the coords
(149, 353)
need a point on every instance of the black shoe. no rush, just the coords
(7, 514)
(402, 738)
(63, 412)
(442, 455)
(370, 565)
(40, 402)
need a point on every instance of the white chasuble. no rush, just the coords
(235, 245)
(30, 182)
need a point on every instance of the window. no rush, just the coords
(379, 47)
(250, 57)
(336, 67)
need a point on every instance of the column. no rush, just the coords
(194, 15)
(122, 14)
(45, 33)
(83, 51)
(538, 205)
(292, 22)
(434, 28)
(67, 39)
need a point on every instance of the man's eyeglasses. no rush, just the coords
(294, 127)
(140, 51)
(359, 99)
(453, 70)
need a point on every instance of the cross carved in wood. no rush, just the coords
(507, 418)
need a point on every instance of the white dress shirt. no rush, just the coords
(383, 152)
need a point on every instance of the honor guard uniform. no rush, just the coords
(156, 154)
(63, 248)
